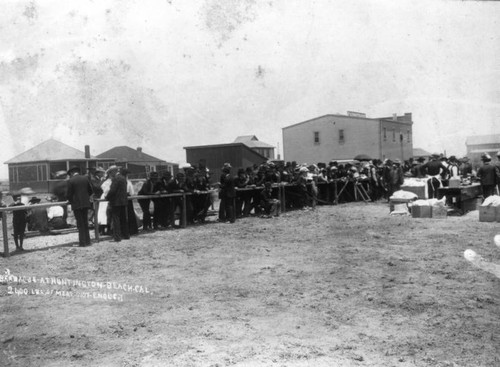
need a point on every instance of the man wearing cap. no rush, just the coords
(79, 194)
(117, 197)
(487, 175)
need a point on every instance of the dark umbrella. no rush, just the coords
(362, 157)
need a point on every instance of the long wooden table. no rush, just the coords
(461, 198)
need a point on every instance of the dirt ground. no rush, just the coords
(344, 285)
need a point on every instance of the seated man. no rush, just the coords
(268, 203)
(37, 217)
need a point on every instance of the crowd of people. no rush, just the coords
(251, 191)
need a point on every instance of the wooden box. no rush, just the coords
(439, 212)
(488, 213)
(470, 205)
(421, 211)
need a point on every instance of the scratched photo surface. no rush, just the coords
(334, 285)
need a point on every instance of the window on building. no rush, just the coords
(27, 173)
(316, 137)
(408, 136)
(385, 134)
(393, 135)
(13, 174)
(341, 136)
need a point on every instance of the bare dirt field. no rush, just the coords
(343, 285)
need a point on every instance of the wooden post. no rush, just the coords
(183, 216)
(336, 198)
(283, 198)
(5, 235)
(96, 220)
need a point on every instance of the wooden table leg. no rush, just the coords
(5, 235)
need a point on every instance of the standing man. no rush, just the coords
(497, 168)
(79, 194)
(117, 197)
(147, 189)
(227, 194)
(434, 170)
(487, 175)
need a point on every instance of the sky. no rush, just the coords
(165, 74)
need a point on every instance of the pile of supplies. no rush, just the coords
(431, 208)
(489, 211)
(406, 202)
(416, 185)
(400, 202)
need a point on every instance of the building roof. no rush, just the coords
(244, 146)
(49, 150)
(483, 139)
(127, 154)
(252, 142)
(418, 152)
(406, 119)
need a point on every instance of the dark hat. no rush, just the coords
(34, 200)
(124, 171)
(112, 168)
(73, 170)
(485, 157)
(241, 171)
(153, 174)
(420, 159)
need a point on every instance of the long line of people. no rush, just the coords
(255, 191)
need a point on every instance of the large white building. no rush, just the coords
(339, 137)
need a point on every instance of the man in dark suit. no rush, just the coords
(78, 194)
(487, 175)
(228, 193)
(147, 189)
(117, 197)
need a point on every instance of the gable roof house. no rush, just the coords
(251, 141)
(37, 167)
(137, 162)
